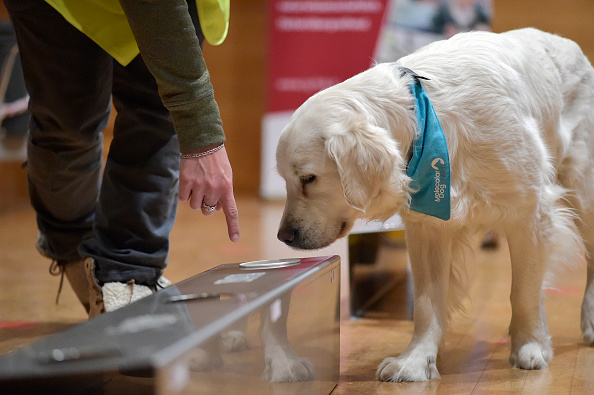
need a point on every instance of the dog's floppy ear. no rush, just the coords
(366, 156)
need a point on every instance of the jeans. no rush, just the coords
(122, 215)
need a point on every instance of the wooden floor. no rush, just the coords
(474, 360)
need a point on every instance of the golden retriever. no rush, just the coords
(517, 112)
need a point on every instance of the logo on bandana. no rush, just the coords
(440, 178)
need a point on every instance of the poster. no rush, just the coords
(314, 44)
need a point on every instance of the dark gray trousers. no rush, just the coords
(121, 217)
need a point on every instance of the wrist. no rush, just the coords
(202, 151)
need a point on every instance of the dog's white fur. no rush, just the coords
(517, 110)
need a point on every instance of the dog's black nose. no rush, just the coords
(287, 234)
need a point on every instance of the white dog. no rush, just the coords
(517, 114)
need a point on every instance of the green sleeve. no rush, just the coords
(170, 48)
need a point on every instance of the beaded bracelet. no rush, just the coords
(200, 154)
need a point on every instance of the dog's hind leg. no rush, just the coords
(531, 343)
(430, 252)
(588, 302)
(537, 245)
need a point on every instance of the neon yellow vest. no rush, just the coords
(105, 23)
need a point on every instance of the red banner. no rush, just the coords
(315, 44)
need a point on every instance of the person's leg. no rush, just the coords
(68, 78)
(138, 198)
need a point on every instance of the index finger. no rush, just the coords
(231, 215)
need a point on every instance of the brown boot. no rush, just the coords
(96, 305)
(75, 273)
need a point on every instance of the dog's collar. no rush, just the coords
(428, 162)
(406, 71)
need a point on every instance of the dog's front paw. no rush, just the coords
(234, 341)
(532, 356)
(288, 369)
(201, 360)
(410, 368)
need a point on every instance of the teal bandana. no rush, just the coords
(429, 166)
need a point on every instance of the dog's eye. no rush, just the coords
(308, 179)
(305, 180)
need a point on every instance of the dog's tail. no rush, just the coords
(460, 272)
(560, 235)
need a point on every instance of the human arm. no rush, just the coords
(170, 48)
